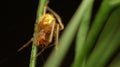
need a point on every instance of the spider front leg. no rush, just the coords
(56, 36)
(52, 32)
(57, 17)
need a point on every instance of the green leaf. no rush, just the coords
(108, 42)
(67, 36)
(82, 35)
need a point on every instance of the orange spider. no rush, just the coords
(47, 28)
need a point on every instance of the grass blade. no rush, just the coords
(97, 25)
(108, 39)
(67, 36)
(34, 50)
(116, 61)
(82, 34)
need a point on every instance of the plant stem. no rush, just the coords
(34, 50)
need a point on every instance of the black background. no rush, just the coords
(17, 24)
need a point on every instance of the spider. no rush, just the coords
(47, 28)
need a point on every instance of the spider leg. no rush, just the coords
(25, 45)
(44, 12)
(56, 36)
(45, 8)
(39, 53)
(52, 32)
(57, 17)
